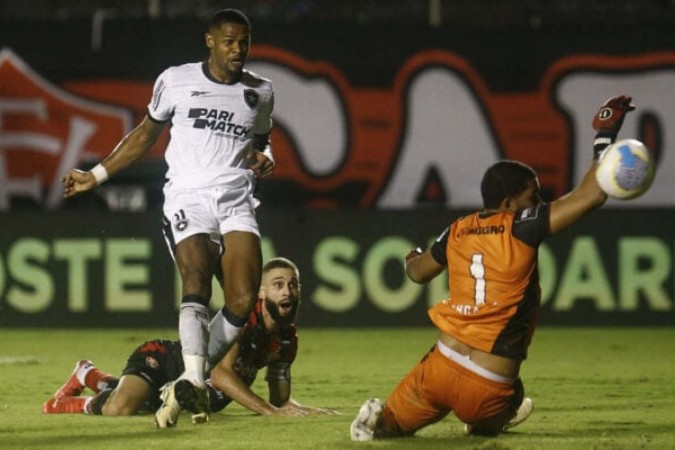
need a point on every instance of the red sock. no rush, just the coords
(96, 379)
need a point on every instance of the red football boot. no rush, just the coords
(73, 387)
(64, 405)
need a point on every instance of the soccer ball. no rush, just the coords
(625, 169)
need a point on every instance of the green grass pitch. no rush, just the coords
(594, 388)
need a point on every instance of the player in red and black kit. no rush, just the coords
(269, 340)
(486, 325)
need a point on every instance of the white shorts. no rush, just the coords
(214, 211)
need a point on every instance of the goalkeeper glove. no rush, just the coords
(608, 120)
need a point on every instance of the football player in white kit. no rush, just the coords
(220, 117)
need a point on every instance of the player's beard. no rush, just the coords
(273, 311)
(234, 71)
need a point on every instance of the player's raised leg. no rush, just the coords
(75, 383)
(195, 263)
(85, 374)
(241, 266)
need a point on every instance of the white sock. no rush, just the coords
(221, 338)
(194, 369)
(102, 384)
(193, 328)
(82, 372)
(87, 405)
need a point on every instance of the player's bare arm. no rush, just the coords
(421, 267)
(279, 384)
(588, 196)
(261, 161)
(307, 410)
(280, 396)
(225, 379)
(574, 205)
(130, 149)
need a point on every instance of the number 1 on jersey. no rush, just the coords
(477, 270)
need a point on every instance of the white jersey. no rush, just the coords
(212, 124)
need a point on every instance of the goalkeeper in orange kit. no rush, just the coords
(485, 327)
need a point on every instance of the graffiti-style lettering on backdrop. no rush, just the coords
(425, 139)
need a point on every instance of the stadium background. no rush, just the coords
(387, 113)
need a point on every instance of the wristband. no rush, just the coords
(100, 173)
(268, 152)
(601, 142)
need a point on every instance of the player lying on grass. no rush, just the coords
(269, 340)
(486, 325)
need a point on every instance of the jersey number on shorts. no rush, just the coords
(477, 270)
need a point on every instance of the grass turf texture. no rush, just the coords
(593, 389)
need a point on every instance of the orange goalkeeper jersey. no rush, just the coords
(493, 279)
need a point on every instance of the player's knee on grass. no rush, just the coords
(119, 405)
(492, 426)
(99, 401)
(484, 431)
(388, 427)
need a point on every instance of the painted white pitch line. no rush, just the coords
(18, 360)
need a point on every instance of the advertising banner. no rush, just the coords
(113, 270)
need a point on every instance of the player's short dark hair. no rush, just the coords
(505, 179)
(281, 263)
(229, 15)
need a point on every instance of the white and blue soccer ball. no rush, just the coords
(625, 169)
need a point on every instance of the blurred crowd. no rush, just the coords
(493, 14)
